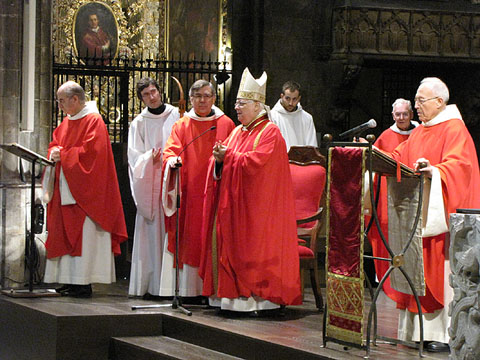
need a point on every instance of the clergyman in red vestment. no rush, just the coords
(194, 156)
(444, 150)
(250, 258)
(85, 219)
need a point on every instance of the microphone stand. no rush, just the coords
(177, 300)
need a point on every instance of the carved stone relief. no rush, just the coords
(464, 310)
(406, 32)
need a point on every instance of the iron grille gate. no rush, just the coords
(111, 83)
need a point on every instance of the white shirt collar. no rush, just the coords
(450, 112)
(217, 113)
(396, 129)
(89, 108)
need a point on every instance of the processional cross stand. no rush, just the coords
(34, 158)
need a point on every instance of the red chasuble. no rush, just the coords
(387, 141)
(249, 228)
(88, 165)
(193, 176)
(450, 148)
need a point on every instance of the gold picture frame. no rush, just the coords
(95, 31)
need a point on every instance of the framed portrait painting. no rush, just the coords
(95, 32)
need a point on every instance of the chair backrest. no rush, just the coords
(307, 168)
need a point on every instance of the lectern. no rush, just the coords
(34, 158)
(346, 170)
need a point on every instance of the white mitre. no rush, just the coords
(251, 88)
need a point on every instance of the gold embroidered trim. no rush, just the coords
(243, 94)
(344, 277)
(345, 335)
(257, 139)
(345, 316)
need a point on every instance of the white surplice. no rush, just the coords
(297, 127)
(148, 132)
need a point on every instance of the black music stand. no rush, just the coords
(177, 300)
(33, 158)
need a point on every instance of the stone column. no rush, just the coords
(464, 310)
(14, 190)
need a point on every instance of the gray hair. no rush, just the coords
(197, 85)
(437, 86)
(400, 101)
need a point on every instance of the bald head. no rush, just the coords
(71, 88)
(71, 97)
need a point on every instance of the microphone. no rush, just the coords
(370, 124)
(179, 164)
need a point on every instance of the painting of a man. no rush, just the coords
(95, 40)
(96, 32)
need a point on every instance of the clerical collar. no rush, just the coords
(95, 30)
(258, 119)
(158, 110)
(212, 112)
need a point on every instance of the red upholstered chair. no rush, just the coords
(307, 168)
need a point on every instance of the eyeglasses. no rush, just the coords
(241, 104)
(422, 101)
(200, 96)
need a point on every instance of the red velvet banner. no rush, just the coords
(344, 262)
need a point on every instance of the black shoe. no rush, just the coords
(64, 288)
(435, 346)
(278, 312)
(195, 300)
(148, 296)
(79, 291)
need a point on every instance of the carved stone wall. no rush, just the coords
(464, 310)
(414, 32)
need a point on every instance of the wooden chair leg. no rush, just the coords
(316, 288)
(302, 283)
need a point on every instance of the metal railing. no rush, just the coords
(111, 83)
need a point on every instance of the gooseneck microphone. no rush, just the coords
(179, 164)
(370, 124)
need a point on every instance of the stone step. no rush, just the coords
(160, 348)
